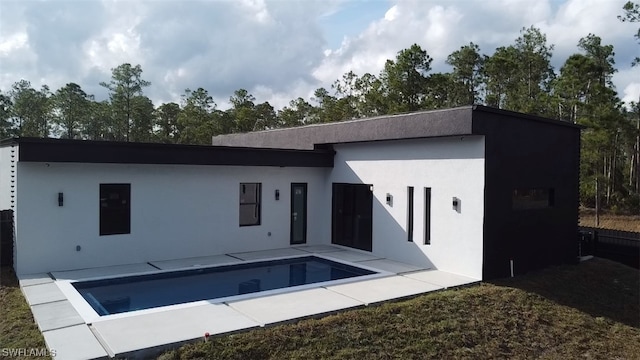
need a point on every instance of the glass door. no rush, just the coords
(298, 213)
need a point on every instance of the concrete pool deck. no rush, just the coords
(73, 337)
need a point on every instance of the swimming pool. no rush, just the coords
(131, 293)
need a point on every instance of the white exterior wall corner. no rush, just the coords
(5, 174)
(177, 211)
(451, 167)
(8, 157)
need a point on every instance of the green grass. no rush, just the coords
(18, 330)
(609, 220)
(589, 311)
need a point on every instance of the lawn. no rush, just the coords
(609, 220)
(591, 311)
(17, 327)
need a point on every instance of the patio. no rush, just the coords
(134, 334)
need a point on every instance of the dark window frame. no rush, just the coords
(427, 216)
(410, 202)
(115, 209)
(253, 201)
(537, 198)
(305, 206)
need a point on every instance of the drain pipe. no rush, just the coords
(511, 261)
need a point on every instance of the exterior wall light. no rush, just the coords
(60, 199)
(389, 199)
(277, 194)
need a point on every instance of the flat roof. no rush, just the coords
(116, 152)
(423, 124)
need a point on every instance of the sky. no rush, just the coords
(283, 49)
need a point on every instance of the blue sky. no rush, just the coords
(350, 19)
(280, 49)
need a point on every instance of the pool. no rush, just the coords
(131, 293)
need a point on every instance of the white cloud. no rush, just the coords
(628, 84)
(440, 27)
(13, 42)
(391, 14)
(277, 50)
(257, 9)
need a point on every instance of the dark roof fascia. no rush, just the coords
(112, 152)
(9, 142)
(523, 116)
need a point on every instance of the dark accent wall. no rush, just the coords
(6, 238)
(525, 153)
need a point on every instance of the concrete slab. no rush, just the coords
(195, 262)
(34, 279)
(383, 289)
(441, 278)
(128, 334)
(352, 256)
(284, 307)
(266, 254)
(42, 293)
(391, 266)
(56, 315)
(103, 271)
(74, 342)
(318, 248)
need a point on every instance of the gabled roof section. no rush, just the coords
(112, 152)
(424, 124)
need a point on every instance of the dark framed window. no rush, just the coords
(409, 213)
(427, 216)
(115, 209)
(250, 195)
(536, 198)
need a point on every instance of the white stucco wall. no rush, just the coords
(176, 212)
(451, 167)
(5, 176)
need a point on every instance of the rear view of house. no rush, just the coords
(473, 191)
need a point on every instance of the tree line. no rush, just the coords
(516, 77)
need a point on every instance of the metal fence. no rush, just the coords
(621, 246)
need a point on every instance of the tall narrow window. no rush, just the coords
(250, 204)
(115, 209)
(410, 213)
(427, 216)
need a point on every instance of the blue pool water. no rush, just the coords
(118, 295)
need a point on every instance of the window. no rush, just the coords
(250, 204)
(410, 213)
(115, 209)
(427, 216)
(525, 199)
